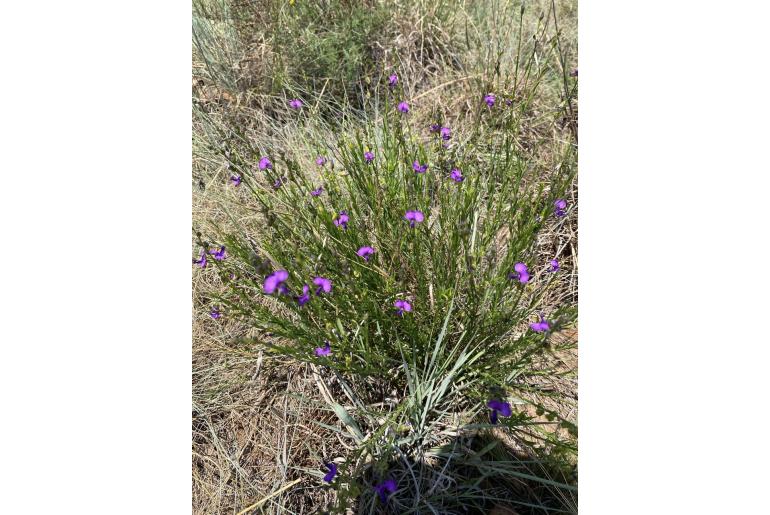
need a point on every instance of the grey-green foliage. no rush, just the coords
(217, 46)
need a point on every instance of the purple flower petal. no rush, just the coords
(561, 206)
(401, 306)
(215, 314)
(554, 265)
(403, 107)
(392, 80)
(521, 273)
(446, 133)
(332, 471)
(414, 217)
(490, 99)
(365, 252)
(317, 192)
(320, 161)
(368, 157)
(202, 261)
(324, 351)
(236, 180)
(275, 281)
(386, 488)
(220, 254)
(456, 175)
(418, 167)
(342, 220)
(323, 284)
(540, 326)
(305, 297)
(264, 163)
(295, 104)
(494, 404)
(498, 407)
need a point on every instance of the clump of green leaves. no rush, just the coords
(466, 339)
(324, 45)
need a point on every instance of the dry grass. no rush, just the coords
(251, 422)
(250, 431)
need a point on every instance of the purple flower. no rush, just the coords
(573, 73)
(385, 488)
(278, 182)
(521, 273)
(264, 163)
(275, 281)
(342, 220)
(202, 261)
(326, 350)
(392, 80)
(368, 157)
(508, 102)
(446, 133)
(403, 107)
(365, 252)
(220, 254)
(295, 104)
(456, 175)
(305, 297)
(236, 180)
(317, 192)
(498, 407)
(435, 128)
(320, 160)
(414, 217)
(323, 284)
(418, 167)
(554, 265)
(401, 306)
(215, 314)
(561, 206)
(331, 466)
(540, 326)
(490, 99)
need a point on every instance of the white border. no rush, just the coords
(673, 202)
(95, 207)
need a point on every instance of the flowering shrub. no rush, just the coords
(409, 265)
(423, 289)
